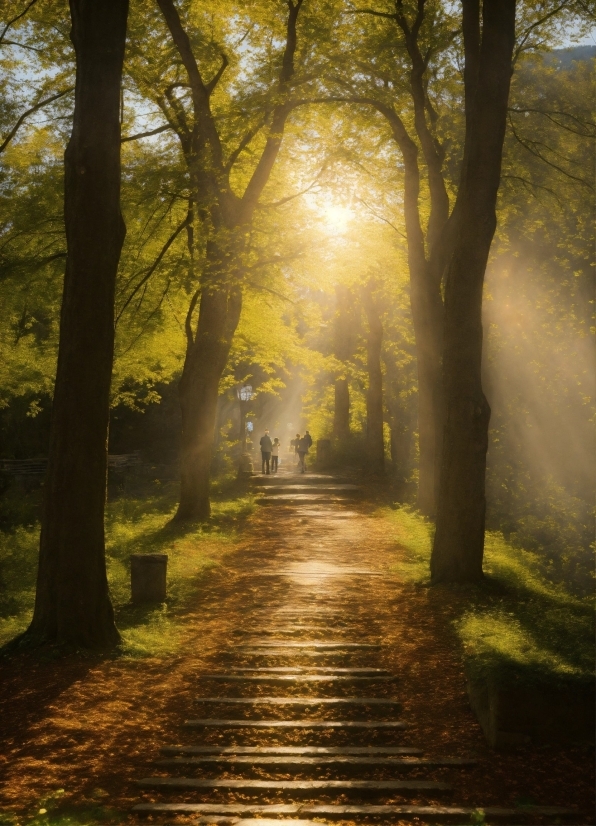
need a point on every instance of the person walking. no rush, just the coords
(302, 450)
(308, 438)
(266, 448)
(294, 443)
(275, 455)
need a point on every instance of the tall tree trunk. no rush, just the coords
(343, 347)
(341, 411)
(206, 358)
(427, 317)
(72, 601)
(374, 393)
(225, 215)
(459, 539)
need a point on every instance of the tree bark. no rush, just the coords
(343, 347)
(374, 392)
(206, 358)
(459, 539)
(72, 601)
(427, 306)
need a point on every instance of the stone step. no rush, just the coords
(296, 629)
(294, 785)
(320, 609)
(286, 652)
(367, 751)
(299, 701)
(303, 670)
(291, 477)
(314, 645)
(318, 487)
(289, 762)
(303, 499)
(320, 573)
(296, 678)
(347, 812)
(306, 724)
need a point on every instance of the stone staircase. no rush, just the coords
(275, 737)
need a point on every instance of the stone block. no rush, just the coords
(148, 577)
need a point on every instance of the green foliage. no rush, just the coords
(341, 157)
(135, 523)
(519, 621)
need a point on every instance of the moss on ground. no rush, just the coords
(517, 622)
(136, 522)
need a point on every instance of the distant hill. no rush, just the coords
(574, 54)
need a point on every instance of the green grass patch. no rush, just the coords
(52, 811)
(517, 622)
(139, 523)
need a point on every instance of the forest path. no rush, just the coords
(308, 591)
(300, 714)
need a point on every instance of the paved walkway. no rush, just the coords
(301, 715)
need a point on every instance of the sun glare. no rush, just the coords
(337, 217)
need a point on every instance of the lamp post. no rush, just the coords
(245, 395)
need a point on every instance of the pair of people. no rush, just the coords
(302, 445)
(269, 453)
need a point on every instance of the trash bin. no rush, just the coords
(148, 577)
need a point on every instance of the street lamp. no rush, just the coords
(245, 395)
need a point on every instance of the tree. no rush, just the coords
(459, 539)
(225, 220)
(343, 347)
(72, 601)
(375, 442)
(417, 38)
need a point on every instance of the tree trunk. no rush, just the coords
(341, 414)
(459, 539)
(427, 317)
(72, 601)
(374, 393)
(343, 347)
(205, 362)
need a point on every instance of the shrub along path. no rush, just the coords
(310, 680)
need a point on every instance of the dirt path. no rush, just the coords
(305, 571)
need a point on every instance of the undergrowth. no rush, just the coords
(518, 621)
(137, 521)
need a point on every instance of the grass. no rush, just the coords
(518, 622)
(50, 811)
(136, 522)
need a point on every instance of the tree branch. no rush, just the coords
(26, 114)
(250, 134)
(264, 166)
(155, 264)
(167, 127)
(535, 25)
(22, 46)
(550, 115)
(188, 320)
(200, 92)
(16, 19)
(217, 77)
(530, 148)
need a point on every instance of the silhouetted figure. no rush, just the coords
(302, 450)
(294, 443)
(266, 448)
(275, 455)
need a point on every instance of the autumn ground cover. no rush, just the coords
(79, 730)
